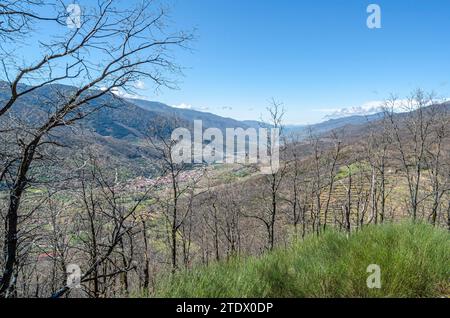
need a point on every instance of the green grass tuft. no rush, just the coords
(414, 261)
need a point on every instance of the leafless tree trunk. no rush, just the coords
(412, 147)
(274, 179)
(332, 175)
(146, 283)
(129, 56)
(108, 222)
(176, 216)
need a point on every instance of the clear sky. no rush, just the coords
(315, 56)
(318, 57)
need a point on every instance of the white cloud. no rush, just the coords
(139, 84)
(120, 92)
(183, 106)
(123, 94)
(189, 106)
(368, 108)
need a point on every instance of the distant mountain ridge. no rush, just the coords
(120, 129)
(188, 115)
(130, 118)
(332, 124)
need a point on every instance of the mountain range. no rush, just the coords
(120, 129)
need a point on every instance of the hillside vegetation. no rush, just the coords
(414, 261)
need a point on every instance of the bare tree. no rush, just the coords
(211, 216)
(412, 134)
(274, 178)
(436, 161)
(295, 180)
(316, 179)
(181, 183)
(103, 224)
(377, 149)
(231, 226)
(17, 18)
(332, 164)
(129, 45)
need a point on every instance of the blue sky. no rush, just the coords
(315, 56)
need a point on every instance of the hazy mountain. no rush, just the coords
(189, 115)
(120, 128)
(129, 119)
(331, 124)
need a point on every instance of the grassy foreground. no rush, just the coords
(414, 261)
